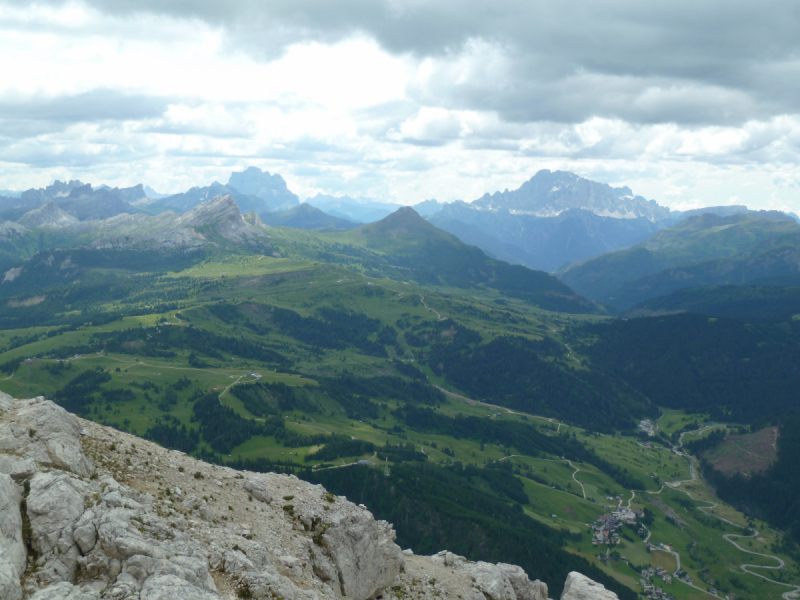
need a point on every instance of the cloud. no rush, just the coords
(95, 105)
(680, 62)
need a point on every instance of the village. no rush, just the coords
(605, 532)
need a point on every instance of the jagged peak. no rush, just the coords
(253, 219)
(47, 214)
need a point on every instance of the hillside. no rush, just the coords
(47, 215)
(746, 302)
(305, 216)
(703, 250)
(545, 243)
(412, 248)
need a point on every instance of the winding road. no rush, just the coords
(728, 537)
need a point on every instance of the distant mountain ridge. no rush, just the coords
(545, 243)
(305, 216)
(270, 188)
(49, 214)
(548, 194)
(703, 250)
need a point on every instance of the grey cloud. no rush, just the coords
(684, 61)
(93, 106)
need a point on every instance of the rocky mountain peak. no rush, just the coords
(262, 184)
(82, 517)
(253, 219)
(47, 215)
(548, 194)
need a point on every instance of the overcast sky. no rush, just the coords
(688, 103)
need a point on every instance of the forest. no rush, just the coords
(435, 507)
(735, 371)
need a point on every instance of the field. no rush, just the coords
(745, 454)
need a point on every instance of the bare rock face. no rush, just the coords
(62, 591)
(41, 432)
(494, 582)
(12, 547)
(356, 550)
(55, 504)
(580, 587)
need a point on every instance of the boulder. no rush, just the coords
(55, 503)
(360, 551)
(43, 432)
(257, 488)
(17, 467)
(12, 546)
(524, 588)
(491, 581)
(580, 587)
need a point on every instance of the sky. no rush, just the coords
(688, 103)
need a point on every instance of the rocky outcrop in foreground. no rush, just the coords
(87, 512)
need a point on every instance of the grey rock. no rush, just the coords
(44, 432)
(12, 547)
(170, 587)
(55, 503)
(580, 587)
(258, 489)
(491, 581)
(6, 402)
(140, 567)
(524, 588)
(362, 552)
(188, 568)
(270, 584)
(9, 580)
(19, 468)
(63, 591)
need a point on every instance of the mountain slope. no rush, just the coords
(135, 242)
(180, 203)
(48, 215)
(305, 216)
(548, 194)
(545, 243)
(416, 249)
(364, 210)
(87, 204)
(703, 250)
(746, 302)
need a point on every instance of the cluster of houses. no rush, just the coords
(604, 530)
(658, 593)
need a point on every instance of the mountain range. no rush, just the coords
(703, 250)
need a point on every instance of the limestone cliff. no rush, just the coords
(87, 512)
